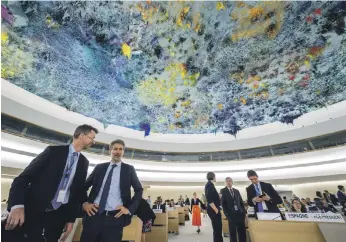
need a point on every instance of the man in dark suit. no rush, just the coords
(159, 205)
(233, 207)
(330, 198)
(262, 195)
(109, 207)
(213, 207)
(46, 196)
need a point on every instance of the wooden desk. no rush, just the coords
(181, 213)
(159, 230)
(173, 221)
(132, 232)
(284, 231)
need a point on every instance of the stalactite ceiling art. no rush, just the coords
(180, 66)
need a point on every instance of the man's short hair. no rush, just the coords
(228, 178)
(210, 176)
(340, 187)
(251, 173)
(284, 197)
(84, 129)
(117, 141)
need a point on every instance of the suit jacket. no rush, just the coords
(268, 189)
(197, 202)
(36, 186)
(162, 206)
(341, 196)
(331, 198)
(228, 202)
(187, 201)
(144, 211)
(212, 195)
(128, 178)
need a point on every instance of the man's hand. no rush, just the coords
(216, 211)
(266, 197)
(90, 208)
(258, 199)
(15, 218)
(67, 231)
(123, 210)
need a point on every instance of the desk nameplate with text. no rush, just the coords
(157, 210)
(315, 217)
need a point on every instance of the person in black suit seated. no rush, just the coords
(187, 201)
(262, 195)
(159, 205)
(233, 207)
(46, 196)
(213, 207)
(330, 198)
(109, 206)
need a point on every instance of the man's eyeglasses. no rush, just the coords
(92, 139)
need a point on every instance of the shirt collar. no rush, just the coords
(118, 164)
(72, 150)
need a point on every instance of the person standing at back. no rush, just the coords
(262, 195)
(213, 207)
(233, 207)
(47, 195)
(109, 207)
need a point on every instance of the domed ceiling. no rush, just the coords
(178, 67)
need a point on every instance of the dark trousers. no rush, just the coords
(236, 224)
(103, 228)
(45, 226)
(216, 223)
(38, 227)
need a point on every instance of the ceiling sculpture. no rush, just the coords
(178, 67)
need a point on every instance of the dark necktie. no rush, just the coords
(231, 191)
(105, 191)
(65, 179)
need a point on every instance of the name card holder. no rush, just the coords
(170, 209)
(269, 216)
(157, 210)
(315, 217)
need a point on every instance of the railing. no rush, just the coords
(27, 130)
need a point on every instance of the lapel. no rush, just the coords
(61, 160)
(122, 176)
(229, 194)
(101, 175)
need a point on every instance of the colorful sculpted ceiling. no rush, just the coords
(178, 67)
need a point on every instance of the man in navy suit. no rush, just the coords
(109, 206)
(262, 195)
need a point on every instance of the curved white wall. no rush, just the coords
(26, 106)
(327, 162)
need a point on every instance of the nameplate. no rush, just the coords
(282, 209)
(269, 216)
(157, 210)
(177, 206)
(315, 217)
(251, 210)
(169, 209)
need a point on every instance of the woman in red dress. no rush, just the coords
(196, 212)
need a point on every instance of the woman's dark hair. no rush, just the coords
(210, 176)
(303, 209)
